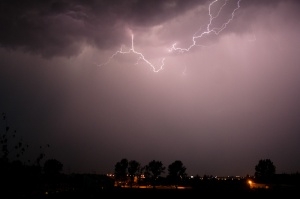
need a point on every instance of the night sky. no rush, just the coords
(72, 76)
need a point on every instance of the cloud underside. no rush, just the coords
(61, 28)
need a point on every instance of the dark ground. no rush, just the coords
(169, 193)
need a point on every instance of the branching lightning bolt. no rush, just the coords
(141, 57)
(196, 36)
(209, 30)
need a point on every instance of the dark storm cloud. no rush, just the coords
(52, 28)
(265, 14)
(271, 3)
(60, 28)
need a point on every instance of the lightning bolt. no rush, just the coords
(197, 35)
(140, 57)
(208, 30)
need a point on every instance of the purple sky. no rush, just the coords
(231, 100)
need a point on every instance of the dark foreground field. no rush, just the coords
(171, 193)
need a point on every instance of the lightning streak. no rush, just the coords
(141, 57)
(196, 36)
(209, 30)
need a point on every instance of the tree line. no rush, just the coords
(46, 174)
(133, 173)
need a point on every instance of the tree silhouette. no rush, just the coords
(153, 170)
(265, 170)
(133, 170)
(52, 167)
(176, 172)
(16, 176)
(121, 171)
(8, 143)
